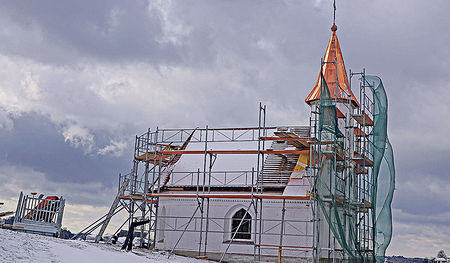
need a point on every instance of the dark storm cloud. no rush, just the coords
(405, 42)
(111, 30)
(36, 142)
(132, 30)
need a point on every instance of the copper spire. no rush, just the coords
(333, 69)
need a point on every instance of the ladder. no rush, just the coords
(112, 210)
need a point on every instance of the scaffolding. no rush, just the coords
(270, 194)
(265, 181)
(309, 193)
(322, 194)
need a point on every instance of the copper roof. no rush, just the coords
(332, 54)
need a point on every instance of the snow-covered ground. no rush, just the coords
(24, 247)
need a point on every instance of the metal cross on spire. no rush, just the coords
(334, 27)
(334, 12)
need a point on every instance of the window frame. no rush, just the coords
(245, 230)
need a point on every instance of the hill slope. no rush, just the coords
(24, 247)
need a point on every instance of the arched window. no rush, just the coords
(244, 231)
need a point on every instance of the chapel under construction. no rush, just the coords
(315, 193)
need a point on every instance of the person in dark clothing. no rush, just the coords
(129, 240)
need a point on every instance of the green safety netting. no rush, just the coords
(383, 170)
(357, 227)
(331, 185)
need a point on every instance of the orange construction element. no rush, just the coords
(358, 132)
(363, 119)
(45, 210)
(331, 72)
(232, 196)
(136, 197)
(171, 156)
(339, 113)
(234, 152)
(287, 138)
(362, 160)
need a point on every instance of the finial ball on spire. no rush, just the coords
(334, 28)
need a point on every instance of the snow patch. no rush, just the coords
(25, 247)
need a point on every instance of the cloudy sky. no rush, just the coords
(79, 79)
